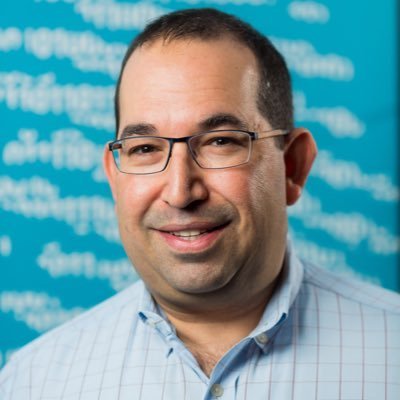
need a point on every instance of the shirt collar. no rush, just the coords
(278, 307)
(151, 315)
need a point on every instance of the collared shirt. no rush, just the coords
(320, 337)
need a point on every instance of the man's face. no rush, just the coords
(199, 233)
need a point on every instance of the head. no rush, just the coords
(207, 239)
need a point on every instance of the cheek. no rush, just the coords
(268, 184)
(239, 188)
(233, 185)
(266, 187)
(134, 196)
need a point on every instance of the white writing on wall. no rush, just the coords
(309, 11)
(117, 15)
(119, 273)
(350, 228)
(85, 104)
(57, 1)
(37, 310)
(67, 149)
(339, 121)
(303, 59)
(329, 258)
(342, 174)
(87, 51)
(37, 198)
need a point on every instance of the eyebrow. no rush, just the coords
(138, 129)
(215, 121)
(221, 120)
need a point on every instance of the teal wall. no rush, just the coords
(59, 248)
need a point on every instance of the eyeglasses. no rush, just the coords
(142, 154)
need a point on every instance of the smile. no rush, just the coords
(192, 238)
(192, 234)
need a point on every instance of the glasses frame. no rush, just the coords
(117, 144)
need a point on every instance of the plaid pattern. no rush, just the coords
(321, 337)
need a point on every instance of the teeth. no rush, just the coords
(187, 233)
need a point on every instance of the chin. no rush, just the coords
(200, 285)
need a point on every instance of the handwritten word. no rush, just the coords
(37, 198)
(37, 310)
(85, 104)
(87, 51)
(350, 228)
(342, 174)
(302, 57)
(340, 121)
(56, 1)
(119, 273)
(114, 15)
(67, 149)
(309, 11)
(328, 258)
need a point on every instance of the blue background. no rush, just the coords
(59, 247)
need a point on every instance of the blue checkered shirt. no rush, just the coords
(320, 337)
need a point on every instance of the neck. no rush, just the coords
(210, 334)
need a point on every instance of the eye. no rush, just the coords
(222, 141)
(228, 140)
(142, 149)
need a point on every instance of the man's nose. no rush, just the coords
(185, 183)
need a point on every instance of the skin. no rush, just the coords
(224, 279)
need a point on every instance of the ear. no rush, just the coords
(110, 170)
(299, 153)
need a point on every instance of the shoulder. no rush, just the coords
(338, 287)
(116, 315)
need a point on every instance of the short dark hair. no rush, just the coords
(207, 24)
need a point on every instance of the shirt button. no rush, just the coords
(262, 338)
(217, 390)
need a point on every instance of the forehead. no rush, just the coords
(199, 77)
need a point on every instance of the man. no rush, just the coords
(205, 161)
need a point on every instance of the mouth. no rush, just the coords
(192, 238)
(189, 234)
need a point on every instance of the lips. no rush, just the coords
(191, 238)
